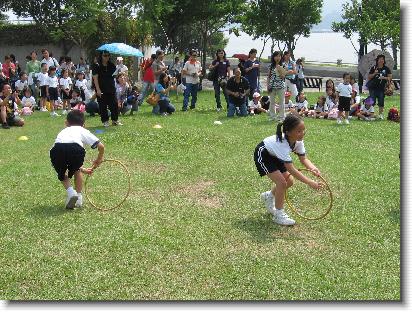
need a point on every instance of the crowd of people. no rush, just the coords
(105, 88)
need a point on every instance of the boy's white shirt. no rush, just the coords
(365, 110)
(191, 69)
(21, 85)
(81, 84)
(65, 82)
(344, 90)
(300, 105)
(77, 134)
(42, 78)
(52, 82)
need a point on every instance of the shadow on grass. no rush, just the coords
(395, 216)
(262, 229)
(45, 211)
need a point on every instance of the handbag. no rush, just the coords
(372, 83)
(211, 75)
(153, 98)
(389, 88)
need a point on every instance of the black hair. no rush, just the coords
(159, 52)
(378, 57)
(252, 51)
(272, 59)
(161, 80)
(192, 51)
(26, 89)
(220, 50)
(153, 56)
(22, 73)
(291, 122)
(75, 118)
(345, 74)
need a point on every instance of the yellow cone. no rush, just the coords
(23, 138)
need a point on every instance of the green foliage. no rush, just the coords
(377, 22)
(281, 20)
(193, 227)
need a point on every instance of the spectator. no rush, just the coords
(290, 67)
(276, 86)
(42, 79)
(158, 65)
(66, 85)
(221, 66)
(162, 88)
(8, 69)
(8, 104)
(252, 66)
(27, 102)
(81, 84)
(237, 89)
(121, 68)
(176, 70)
(32, 70)
(105, 89)
(48, 59)
(121, 93)
(83, 67)
(21, 84)
(192, 70)
(147, 78)
(300, 81)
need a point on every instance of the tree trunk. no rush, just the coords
(395, 55)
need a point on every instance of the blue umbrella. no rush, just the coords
(121, 49)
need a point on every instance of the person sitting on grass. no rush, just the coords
(320, 110)
(272, 158)
(27, 102)
(255, 105)
(301, 106)
(367, 111)
(8, 104)
(288, 102)
(237, 89)
(67, 156)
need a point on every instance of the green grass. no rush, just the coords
(193, 227)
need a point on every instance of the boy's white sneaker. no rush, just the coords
(281, 217)
(339, 121)
(117, 123)
(54, 114)
(267, 198)
(347, 121)
(43, 109)
(106, 124)
(71, 200)
(79, 202)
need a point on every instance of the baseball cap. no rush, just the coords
(256, 94)
(119, 58)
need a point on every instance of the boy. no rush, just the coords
(344, 92)
(68, 153)
(9, 108)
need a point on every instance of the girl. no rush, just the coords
(272, 158)
(300, 81)
(27, 102)
(344, 92)
(162, 88)
(42, 79)
(321, 108)
(21, 84)
(301, 106)
(289, 106)
(122, 88)
(65, 87)
(276, 86)
(252, 72)
(51, 90)
(81, 84)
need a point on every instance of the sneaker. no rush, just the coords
(5, 126)
(218, 109)
(64, 112)
(71, 200)
(347, 121)
(117, 123)
(192, 107)
(339, 121)
(164, 114)
(106, 124)
(367, 118)
(184, 109)
(79, 202)
(267, 198)
(43, 109)
(380, 116)
(54, 114)
(280, 217)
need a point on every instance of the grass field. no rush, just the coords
(194, 227)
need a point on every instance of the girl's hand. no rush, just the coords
(315, 185)
(315, 171)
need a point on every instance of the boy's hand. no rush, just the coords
(96, 163)
(87, 171)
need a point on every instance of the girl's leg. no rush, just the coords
(279, 188)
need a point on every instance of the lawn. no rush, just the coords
(193, 227)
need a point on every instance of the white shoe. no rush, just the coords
(381, 116)
(43, 109)
(347, 121)
(117, 123)
(54, 114)
(280, 217)
(106, 124)
(71, 200)
(267, 198)
(64, 112)
(79, 202)
(339, 121)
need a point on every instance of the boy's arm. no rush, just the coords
(99, 158)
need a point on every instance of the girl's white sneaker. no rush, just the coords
(281, 217)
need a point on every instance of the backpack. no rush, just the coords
(394, 115)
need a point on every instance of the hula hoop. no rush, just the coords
(125, 197)
(324, 214)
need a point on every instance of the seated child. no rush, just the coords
(21, 84)
(28, 102)
(76, 101)
(301, 106)
(131, 99)
(265, 102)
(67, 156)
(332, 103)
(320, 110)
(255, 106)
(288, 102)
(367, 111)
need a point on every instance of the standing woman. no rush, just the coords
(379, 76)
(276, 86)
(221, 65)
(105, 89)
(32, 69)
(252, 72)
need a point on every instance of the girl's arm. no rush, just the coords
(298, 175)
(309, 165)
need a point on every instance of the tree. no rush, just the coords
(284, 21)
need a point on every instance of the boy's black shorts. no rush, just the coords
(344, 104)
(67, 156)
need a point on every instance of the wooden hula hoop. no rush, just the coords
(125, 197)
(326, 185)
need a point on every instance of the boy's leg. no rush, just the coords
(78, 182)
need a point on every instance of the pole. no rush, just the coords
(361, 52)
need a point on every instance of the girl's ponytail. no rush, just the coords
(279, 131)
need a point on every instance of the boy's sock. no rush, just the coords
(79, 201)
(70, 190)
